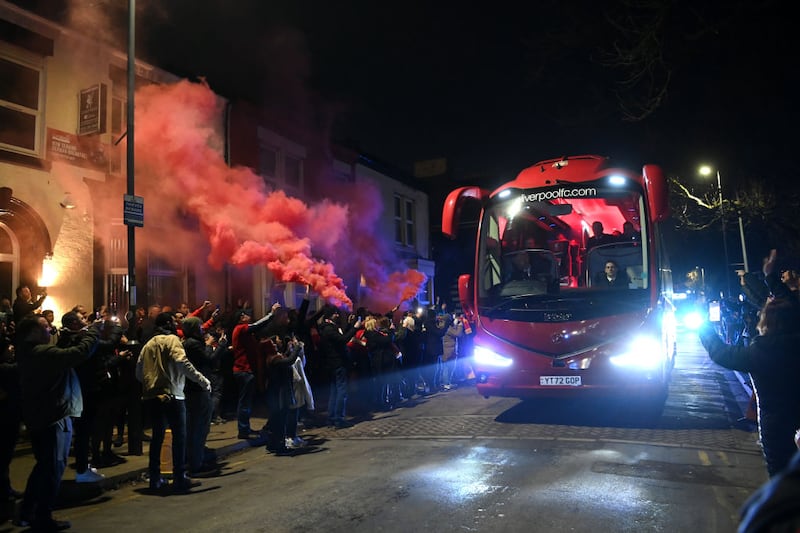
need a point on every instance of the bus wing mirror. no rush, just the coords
(465, 296)
(451, 212)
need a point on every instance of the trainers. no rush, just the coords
(90, 476)
(281, 452)
(158, 483)
(295, 442)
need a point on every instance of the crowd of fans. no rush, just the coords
(156, 368)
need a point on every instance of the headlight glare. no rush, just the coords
(485, 356)
(643, 352)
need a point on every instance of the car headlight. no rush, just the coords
(643, 352)
(484, 356)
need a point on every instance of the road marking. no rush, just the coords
(705, 460)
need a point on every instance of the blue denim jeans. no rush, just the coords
(170, 414)
(245, 382)
(337, 400)
(446, 370)
(51, 450)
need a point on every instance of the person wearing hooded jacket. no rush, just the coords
(162, 368)
(333, 351)
(435, 329)
(203, 355)
(450, 339)
(50, 397)
(772, 362)
(281, 356)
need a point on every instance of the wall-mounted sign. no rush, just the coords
(86, 152)
(92, 110)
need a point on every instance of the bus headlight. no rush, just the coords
(484, 356)
(644, 353)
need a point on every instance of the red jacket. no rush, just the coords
(246, 349)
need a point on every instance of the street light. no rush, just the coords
(706, 170)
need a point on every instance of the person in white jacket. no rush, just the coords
(162, 368)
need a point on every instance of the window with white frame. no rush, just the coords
(404, 225)
(280, 162)
(21, 104)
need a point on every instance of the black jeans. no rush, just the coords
(170, 414)
(198, 422)
(10, 419)
(51, 450)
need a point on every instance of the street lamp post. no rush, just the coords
(705, 171)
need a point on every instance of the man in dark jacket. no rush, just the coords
(771, 359)
(24, 304)
(611, 277)
(333, 350)
(203, 354)
(51, 394)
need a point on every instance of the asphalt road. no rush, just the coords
(460, 462)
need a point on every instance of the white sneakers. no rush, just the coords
(296, 442)
(90, 476)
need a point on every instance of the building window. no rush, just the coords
(280, 162)
(404, 226)
(20, 106)
(280, 170)
(165, 283)
(293, 172)
(343, 172)
(268, 163)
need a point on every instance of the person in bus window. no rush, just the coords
(599, 236)
(611, 277)
(521, 268)
(629, 233)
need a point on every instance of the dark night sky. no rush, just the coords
(494, 91)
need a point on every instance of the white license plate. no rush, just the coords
(549, 381)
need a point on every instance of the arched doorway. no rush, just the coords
(24, 243)
(9, 262)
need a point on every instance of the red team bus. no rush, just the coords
(561, 306)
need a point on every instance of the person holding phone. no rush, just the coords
(772, 362)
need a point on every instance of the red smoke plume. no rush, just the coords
(182, 175)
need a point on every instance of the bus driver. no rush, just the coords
(611, 277)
